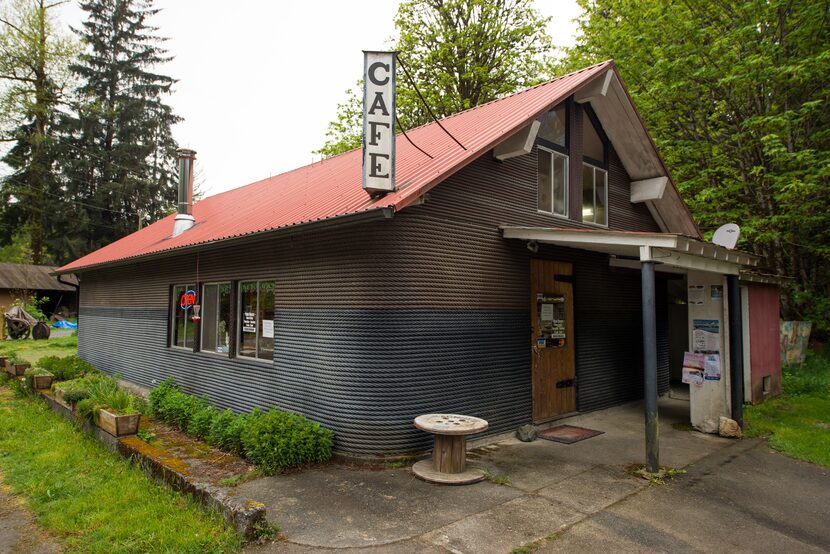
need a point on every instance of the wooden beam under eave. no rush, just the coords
(598, 87)
(648, 189)
(519, 144)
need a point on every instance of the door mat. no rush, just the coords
(568, 434)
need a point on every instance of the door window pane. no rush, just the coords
(184, 330)
(256, 319)
(265, 350)
(216, 318)
(247, 319)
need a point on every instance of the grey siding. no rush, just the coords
(384, 320)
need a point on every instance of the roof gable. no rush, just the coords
(332, 188)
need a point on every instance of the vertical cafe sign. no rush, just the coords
(378, 122)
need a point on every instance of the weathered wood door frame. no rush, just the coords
(553, 367)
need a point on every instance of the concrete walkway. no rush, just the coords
(744, 498)
(551, 487)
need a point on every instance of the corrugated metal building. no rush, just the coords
(363, 313)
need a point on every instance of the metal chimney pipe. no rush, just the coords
(184, 207)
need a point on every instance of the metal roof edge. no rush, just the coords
(372, 214)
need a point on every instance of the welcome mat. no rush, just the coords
(568, 434)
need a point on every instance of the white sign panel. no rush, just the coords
(268, 328)
(378, 121)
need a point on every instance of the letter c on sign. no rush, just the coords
(374, 67)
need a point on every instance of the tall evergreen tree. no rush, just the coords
(33, 60)
(119, 150)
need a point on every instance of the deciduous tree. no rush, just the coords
(460, 53)
(736, 95)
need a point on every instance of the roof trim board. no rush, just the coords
(330, 189)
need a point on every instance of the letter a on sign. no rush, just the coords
(378, 122)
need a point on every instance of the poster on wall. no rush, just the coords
(706, 336)
(717, 292)
(268, 328)
(249, 322)
(697, 294)
(693, 364)
(711, 367)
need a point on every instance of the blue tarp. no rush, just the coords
(63, 324)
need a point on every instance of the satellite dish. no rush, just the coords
(727, 236)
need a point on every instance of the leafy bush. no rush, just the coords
(65, 368)
(277, 440)
(201, 422)
(274, 440)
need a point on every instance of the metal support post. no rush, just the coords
(736, 349)
(650, 366)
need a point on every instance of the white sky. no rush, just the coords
(259, 81)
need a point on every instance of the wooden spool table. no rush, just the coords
(449, 455)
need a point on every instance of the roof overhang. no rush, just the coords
(673, 252)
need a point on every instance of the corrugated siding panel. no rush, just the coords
(365, 374)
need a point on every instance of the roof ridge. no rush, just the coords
(468, 110)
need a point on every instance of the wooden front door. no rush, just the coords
(552, 340)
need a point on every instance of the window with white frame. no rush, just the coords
(256, 319)
(594, 195)
(552, 184)
(183, 333)
(216, 318)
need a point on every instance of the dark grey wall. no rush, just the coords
(382, 321)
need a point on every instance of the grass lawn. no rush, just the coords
(33, 350)
(92, 499)
(798, 423)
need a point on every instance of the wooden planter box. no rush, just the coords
(41, 382)
(118, 425)
(58, 394)
(20, 369)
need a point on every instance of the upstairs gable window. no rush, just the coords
(594, 145)
(553, 129)
(552, 182)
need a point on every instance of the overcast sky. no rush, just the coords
(259, 81)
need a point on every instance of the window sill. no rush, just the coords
(551, 214)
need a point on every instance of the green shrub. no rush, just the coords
(277, 440)
(226, 430)
(201, 422)
(65, 368)
(158, 397)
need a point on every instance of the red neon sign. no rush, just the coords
(187, 299)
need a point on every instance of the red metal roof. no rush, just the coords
(333, 187)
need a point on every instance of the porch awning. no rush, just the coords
(629, 248)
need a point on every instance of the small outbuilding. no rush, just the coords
(527, 267)
(26, 281)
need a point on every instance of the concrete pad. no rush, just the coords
(743, 498)
(402, 547)
(595, 489)
(339, 507)
(505, 527)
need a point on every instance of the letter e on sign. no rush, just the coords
(378, 122)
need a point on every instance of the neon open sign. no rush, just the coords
(187, 300)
